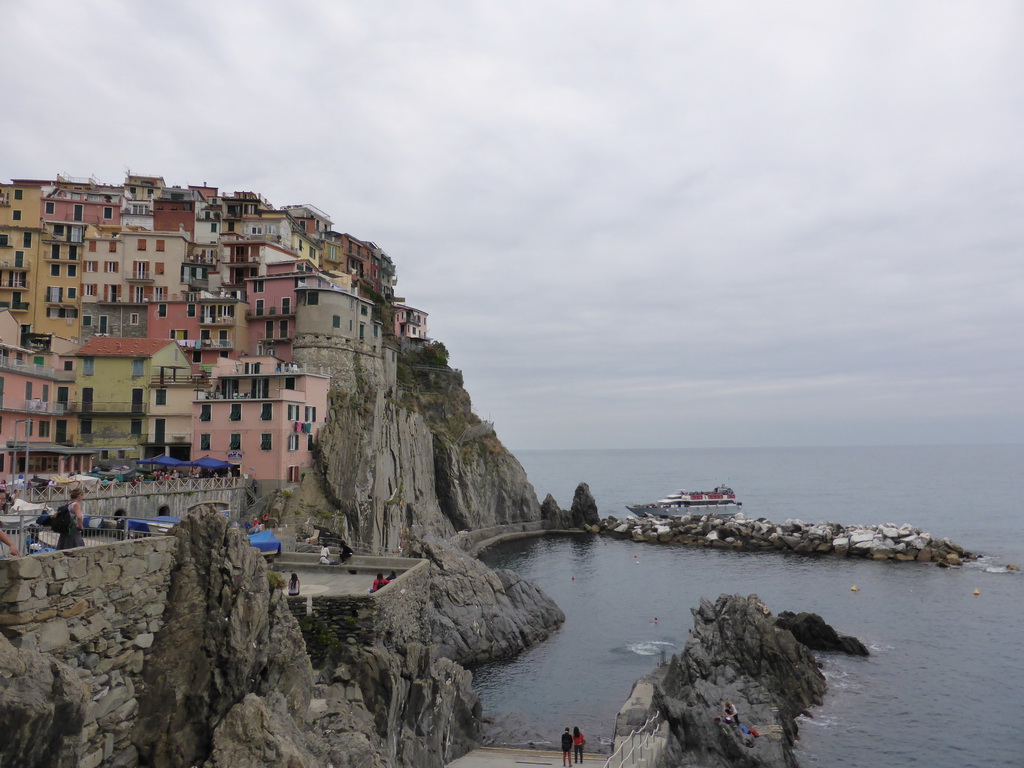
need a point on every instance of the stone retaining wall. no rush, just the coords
(394, 616)
(96, 609)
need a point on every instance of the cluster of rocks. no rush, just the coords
(876, 542)
(738, 652)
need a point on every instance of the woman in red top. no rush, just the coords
(577, 744)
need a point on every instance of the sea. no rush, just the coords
(943, 686)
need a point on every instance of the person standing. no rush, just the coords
(566, 748)
(73, 538)
(10, 544)
(577, 744)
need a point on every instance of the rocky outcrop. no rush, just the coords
(42, 710)
(736, 653)
(402, 709)
(582, 514)
(811, 630)
(479, 614)
(881, 542)
(228, 659)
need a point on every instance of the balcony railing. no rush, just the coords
(193, 381)
(271, 312)
(216, 343)
(207, 320)
(31, 369)
(84, 407)
(32, 405)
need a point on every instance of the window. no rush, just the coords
(51, 208)
(158, 267)
(26, 239)
(259, 306)
(108, 212)
(309, 442)
(311, 413)
(87, 320)
(293, 442)
(85, 426)
(136, 427)
(204, 412)
(72, 271)
(289, 383)
(235, 443)
(336, 321)
(312, 298)
(138, 366)
(161, 397)
(112, 247)
(17, 194)
(16, 215)
(160, 245)
(236, 412)
(204, 441)
(77, 213)
(90, 266)
(213, 227)
(363, 311)
(267, 412)
(28, 390)
(88, 289)
(54, 251)
(141, 245)
(88, 366)
(73, 252)
(55, 270)
(161, 310)
(110, 267)
(266, 441)
(293, 412)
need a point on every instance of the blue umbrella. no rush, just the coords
(164, 461)
(210, 463)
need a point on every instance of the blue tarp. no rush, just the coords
(159, 524)
(266, 542)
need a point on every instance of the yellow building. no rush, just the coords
(127, 405)
(20, 247)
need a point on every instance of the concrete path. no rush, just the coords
(493, 757)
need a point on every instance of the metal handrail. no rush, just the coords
(636, 748)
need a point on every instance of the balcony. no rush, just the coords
(14, 306)
(31, 406)
(13, 264)
(139, 277)
(109, 408)
(195, 381)
(270, 312)
(13, 284)
(207, 320)
(216, 344)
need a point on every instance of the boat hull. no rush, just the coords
(685, 508)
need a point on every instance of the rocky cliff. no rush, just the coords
(393, 454)
(736, 653)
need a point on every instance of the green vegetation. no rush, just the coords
(276, 580)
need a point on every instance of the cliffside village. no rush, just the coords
(140, 320)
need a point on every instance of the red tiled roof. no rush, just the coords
(122, 347)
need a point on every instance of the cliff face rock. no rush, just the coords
(399, 709)
(582, 514)
(811, 630)
(229, 656)
(42, 709)
(480, 614)
(736, 653)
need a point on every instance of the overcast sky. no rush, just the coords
(643, 224)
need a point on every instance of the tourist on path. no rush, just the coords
(73, 538)
(577, 744)
(566, 748)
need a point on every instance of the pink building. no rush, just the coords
(212, 326)
(272, 305)
(263, 415)
(410, 323)
(34, 428)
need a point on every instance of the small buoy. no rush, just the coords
(574, 578)
(853, 588)
(977, 592)
(635, 556)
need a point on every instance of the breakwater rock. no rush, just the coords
(876, 542)
(736, 653)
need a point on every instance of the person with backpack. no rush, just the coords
(566, 748)
(578, 741)
(71, 530)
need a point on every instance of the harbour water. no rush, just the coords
(941, 685)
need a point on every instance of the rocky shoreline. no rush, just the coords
(873, 542)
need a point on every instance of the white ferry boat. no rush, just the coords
(722, 500)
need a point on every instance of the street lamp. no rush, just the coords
(28, 450)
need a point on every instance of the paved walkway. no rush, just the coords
(493, 757)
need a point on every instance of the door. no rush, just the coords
(137, 400)
(159, 428)
(60, 431)
(87, 398)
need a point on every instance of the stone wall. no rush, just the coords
(174, 504)
(394, 616)
(96, 609)
(348, 360)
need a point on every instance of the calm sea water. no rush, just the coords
(945, 679)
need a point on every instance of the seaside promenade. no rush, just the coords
(496, 757)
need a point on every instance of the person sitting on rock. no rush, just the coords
(732, 717)
(392, 576)
(379, 583)
(325, 556)
(293, 585)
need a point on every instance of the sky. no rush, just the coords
(634, 225)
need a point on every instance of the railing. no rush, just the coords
(23, 366)
(161, 381)
(142, 488)
(106, 407)
(29, 537)
(37, 406)
(640, 749)
(216, 343)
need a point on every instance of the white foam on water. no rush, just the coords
(649, 647)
